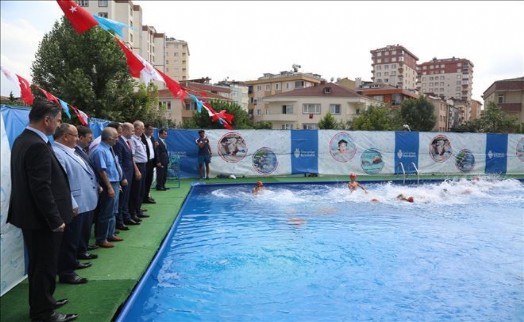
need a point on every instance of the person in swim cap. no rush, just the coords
(353, 184)
(259, 186)
(404, 198)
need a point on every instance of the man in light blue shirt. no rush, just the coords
(106, 164)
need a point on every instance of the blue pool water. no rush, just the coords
(315, 252)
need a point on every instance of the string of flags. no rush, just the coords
(82, 20)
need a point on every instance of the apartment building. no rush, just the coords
(388, 95)
(177, 112)
(271, 84)
(123, 11)
(449, 77)
(508, 94)
(239, 93)
(394, 65)
(177, 59)
(441, 112)
(303, 108)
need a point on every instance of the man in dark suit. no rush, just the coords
(162, 160)
(151, 143)
(41, 205)
(123, 151)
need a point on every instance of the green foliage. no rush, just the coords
(377, 118)
(89, 71)
(328, 122)
(203, 121)
(494, 120)
(263, 125)
(418, 114)
(11, 97)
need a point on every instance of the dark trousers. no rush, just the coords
(137, 191)
(67, 260)
(161, 176)
(150, 168)
(86, 223)
(43, 247)
(123, 203)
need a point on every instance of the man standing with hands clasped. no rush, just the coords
(162, 159)
(204, 153)
(41, 205)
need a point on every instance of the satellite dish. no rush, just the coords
(296, 67)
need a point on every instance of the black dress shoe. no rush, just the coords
(72, 280)
(91, 247)
(161, 189)
(57, 317)
(150, 200)
(122, 227)
(83, 265)
(61, 302)
(131, 222)
(166, 188)
(87, 256)
(142, 215)
(135, 218)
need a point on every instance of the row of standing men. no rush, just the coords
(60, 189)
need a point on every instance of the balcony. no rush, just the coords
(277, 117)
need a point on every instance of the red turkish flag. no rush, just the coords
(80, 18)
(173, 86)
(135, 65)
(50, 97)
(25, 90)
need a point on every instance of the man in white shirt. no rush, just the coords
(137, 187)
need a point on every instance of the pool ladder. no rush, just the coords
(404, 172)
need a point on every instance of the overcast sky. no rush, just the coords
(244, 39)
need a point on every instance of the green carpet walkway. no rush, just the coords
(116, 271)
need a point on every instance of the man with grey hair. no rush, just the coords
(138, 186)
(111, 177)
(84, 186)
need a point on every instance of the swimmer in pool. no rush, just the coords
(404, 198)
(258, 187)
(353, 184)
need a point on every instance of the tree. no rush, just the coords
(494, 120)
(11, 97)
(203, 121)
(377, 118)
(418, 114)
(89, 71)
(328, 122)
(263, 125)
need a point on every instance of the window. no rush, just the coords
(396, 99)
(311, 108)
(287, 85)
(277, 86)
(379, 54)
(379, 74)
(259, 87)
(287, 126)
(83, 3)
(379, 67)
(268, 87)
(379, 98)
(299, 84)
(386, 66)
(131, 38)
(259, 112)
(176, 54)
(379, 60)
(500, 98)
(102, 3)
(309, 126)
(287, 109)
(103, 14)
(334, 108)
(393, 59)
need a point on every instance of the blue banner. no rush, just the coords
(406, 152)
(496, 153)
(304, 151)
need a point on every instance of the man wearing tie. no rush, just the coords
(41, 205)
(84, 187)
(162, 158)
(85, 137)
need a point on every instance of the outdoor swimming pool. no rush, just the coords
(315, 252)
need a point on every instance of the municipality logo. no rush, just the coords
(492, 155)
